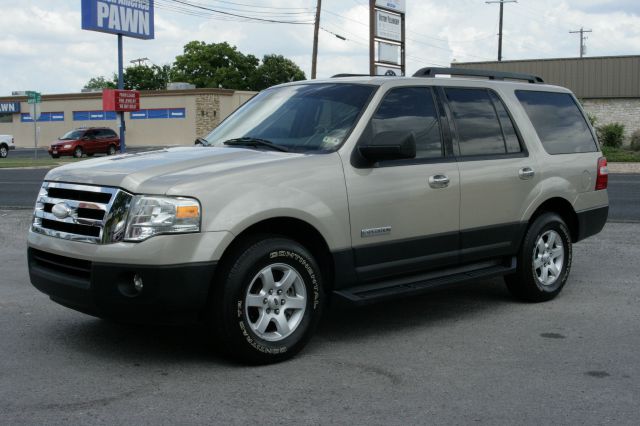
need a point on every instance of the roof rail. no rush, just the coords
(491, 75)
(350, 75)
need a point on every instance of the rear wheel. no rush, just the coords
(77, 152)
(269, 302)
(111, 150)
(544, 260)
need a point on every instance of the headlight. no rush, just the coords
(153, 215)
(67, 146)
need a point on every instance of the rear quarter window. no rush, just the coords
(559, 123)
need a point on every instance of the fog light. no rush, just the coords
(137, 283)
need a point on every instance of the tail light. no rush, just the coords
(602, 178)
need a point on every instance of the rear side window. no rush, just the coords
(482, 123)
(412, 109)
(558, 121)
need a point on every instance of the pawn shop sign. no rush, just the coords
(120, 100)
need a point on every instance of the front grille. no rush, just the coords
(86, 213)
(66, 265)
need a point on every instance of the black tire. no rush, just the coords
(77, 153)
(234, 319)
(111, 150)
(528, 282)
(4, 151)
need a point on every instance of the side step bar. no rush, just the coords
(409, 286)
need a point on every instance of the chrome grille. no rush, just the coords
(86, 213)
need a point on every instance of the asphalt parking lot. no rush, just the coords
(469, 355)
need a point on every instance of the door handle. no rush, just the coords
(526, 173)
(438, 181)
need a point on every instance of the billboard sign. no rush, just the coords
(388, 25)
(389, 53)
(120, 100)
(131, 18)
(397, 5)
(388, 71)
(9, 107)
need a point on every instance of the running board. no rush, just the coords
(409, 286)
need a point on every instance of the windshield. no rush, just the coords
(73, 134)
(300, 118)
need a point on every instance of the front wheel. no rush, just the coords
(544, 260)
(4, 151)
(270, 301)
(111, 150)
(77, 153)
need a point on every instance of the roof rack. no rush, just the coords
(491, 75)
(361, 75)
(350, 75)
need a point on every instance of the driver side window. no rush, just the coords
(411, 109)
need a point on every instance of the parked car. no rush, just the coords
(361, 189)
(6, 145)
(86, 141)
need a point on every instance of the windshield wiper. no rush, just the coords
(249, 141)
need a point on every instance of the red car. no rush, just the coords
(89, 141)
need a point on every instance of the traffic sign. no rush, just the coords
(34, 97)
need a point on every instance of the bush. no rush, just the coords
(611, 135)
(635, 140)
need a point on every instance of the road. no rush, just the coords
(19, 188)
(467, 356)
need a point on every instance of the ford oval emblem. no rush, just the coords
(61, 210)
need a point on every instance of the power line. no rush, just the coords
(252, 18)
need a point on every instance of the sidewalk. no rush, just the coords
(624, 167)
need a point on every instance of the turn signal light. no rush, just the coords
(187, 212)
(602, 179)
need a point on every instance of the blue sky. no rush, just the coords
(44, 49)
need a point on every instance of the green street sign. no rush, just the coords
(34, 97)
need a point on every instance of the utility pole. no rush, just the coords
(583, 38)
(372, 35)
(502, 2)
(316, 30)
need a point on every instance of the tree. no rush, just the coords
(100, 83)
(215, 65)
(275, 69)
(144, 77)
(139, 77)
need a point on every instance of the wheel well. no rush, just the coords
(295, 229)
(563, 208)
(4, 144)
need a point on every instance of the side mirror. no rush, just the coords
(201, 142)
(392, 145)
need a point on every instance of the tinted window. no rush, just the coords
(411, 109)
(302, 117)
(106, 133)
(508, 129)
(479, 131)
(558, 121)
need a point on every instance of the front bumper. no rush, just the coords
(169, 294)
(12, 147)
(60, 151)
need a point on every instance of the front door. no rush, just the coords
(405, 213)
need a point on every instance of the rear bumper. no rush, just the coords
(591, 221)
(169, 294)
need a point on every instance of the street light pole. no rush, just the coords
(123, 147)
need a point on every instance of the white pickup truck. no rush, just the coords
(6, 144)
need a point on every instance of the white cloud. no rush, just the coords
(43, 47)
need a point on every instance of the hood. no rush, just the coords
(155, 172)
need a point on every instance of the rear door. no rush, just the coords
(405, 213)
(498, 177)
